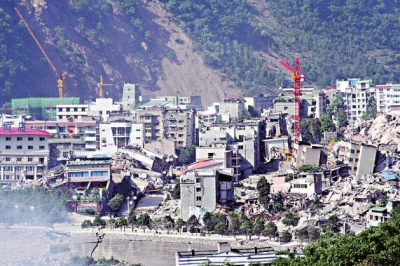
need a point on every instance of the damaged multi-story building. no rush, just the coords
(304, 153)
(239, 145)
(168, 123)
(359, 157)
(204, 189)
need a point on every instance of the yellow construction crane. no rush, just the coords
(100, 87)
(60, 77)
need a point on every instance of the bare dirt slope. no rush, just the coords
(163, 65)
(187, 75)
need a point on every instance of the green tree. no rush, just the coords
(144, 220)
(167, 223)
(176, 193)
(193, 221)
(336, 105)
(99, 222)
(221, 228)
(333, 224)
(370, 112)
(308, 168)
(270, 229)
(306, 134)
(132, 221)
(313, 233)
(115, 203)
(302, 234)
(326, 123)
(253, 112)
(179, 224)
(383, 200)
(277, 202)
(258, 227)
(285, 236)
(234, 222)
(86, 224)
(121, 222)
(342, 119)
(290, 219)
(186, 155)
(263, 188)
(246, 227)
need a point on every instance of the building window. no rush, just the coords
(19, 159)
(68, 109)
(76, 109)
(30, 138)
(8, 147)
(60, 109)
(19, 138)
(41, 139)
(198, 189)
(30, 159)
(197, 180)
(198, 198)
(41, 147)
(210, 155)
(19, 147)
(60, 117)
(8, 159)
(83, 109)
(30, 147)
(8, 138)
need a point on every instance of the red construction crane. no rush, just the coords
(297, 78)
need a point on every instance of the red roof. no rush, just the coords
(199, 164)
(15, 132)
(387, 86)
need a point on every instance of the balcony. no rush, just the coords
(90, 146)
(90, 138)
(90, 131)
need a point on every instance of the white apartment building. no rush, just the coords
(118, 134)
(388, 98)
(24, 153)
(103, 107)
(76, 111)
(355, 93)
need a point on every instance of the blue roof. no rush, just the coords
(156, 102)
(389, 176)
(353, 81)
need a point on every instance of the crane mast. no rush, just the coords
(297, 78)
(60, 77)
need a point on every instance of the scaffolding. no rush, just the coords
(40, 108)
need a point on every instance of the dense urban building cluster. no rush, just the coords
(216, 154)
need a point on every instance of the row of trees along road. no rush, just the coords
(377, 245)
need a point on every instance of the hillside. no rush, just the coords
(210, 48)
(163, 64)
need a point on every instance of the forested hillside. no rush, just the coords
(342, 38)
(202, 47)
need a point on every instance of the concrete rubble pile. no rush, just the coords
(169, 207)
